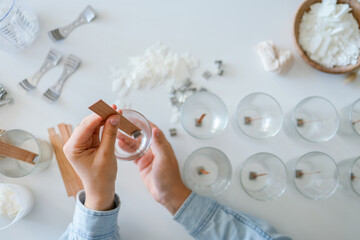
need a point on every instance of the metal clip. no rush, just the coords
(173, 132)
(220, 70)
(3, 99)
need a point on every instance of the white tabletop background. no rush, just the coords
(227, 30)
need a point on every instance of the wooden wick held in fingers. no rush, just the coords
(104, 110)
(198, 122)
(300, 173)
(254, 175)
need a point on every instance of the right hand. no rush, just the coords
(160, 173)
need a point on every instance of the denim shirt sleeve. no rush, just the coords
(93, 225)
(206, 219)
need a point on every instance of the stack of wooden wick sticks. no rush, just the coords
(72, 182)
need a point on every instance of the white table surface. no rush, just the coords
(210, 30)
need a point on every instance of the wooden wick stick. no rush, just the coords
(355, 122)
(248, 120)
(202, 171)
(300, 122)
(254, 175)
(104, 110)
(17, 153)
(353, 177)
(300, 173)
(201, 118)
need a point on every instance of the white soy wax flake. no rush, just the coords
(9, 204)
(330, 35)
(157, 66)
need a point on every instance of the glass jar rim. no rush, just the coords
(275, 101)
(330, 104)
(336, 171)
(351, 115)
(282, 164)
(8, 12)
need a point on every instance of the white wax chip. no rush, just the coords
(9, 204)
(315, 43)
(341, 11)
(337, 30)
(327, 8)
(328, 33)
(324, 47)
(180, 73)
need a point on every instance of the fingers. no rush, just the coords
(107, 144)
(85, 130)
(145, 161)
(128, 144)
(159, 144)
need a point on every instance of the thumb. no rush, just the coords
(109, 134)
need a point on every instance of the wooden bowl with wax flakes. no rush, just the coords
(305, 7)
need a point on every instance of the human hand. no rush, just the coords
(94, 161)
(160, 172)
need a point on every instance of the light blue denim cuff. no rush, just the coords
(91, 224)
(195, 213)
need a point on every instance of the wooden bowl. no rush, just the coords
(305, 6)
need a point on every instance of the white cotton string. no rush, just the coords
(272, 61)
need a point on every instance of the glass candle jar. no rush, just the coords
(264, 177)
(18, 25)
(204, 115)
(316, 175)
(259, 115)
(350, 175)
(130, 148)
(350, 120)
(315, 119)
(207, 171)
(14, 168)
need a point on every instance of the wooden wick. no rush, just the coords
(300, 173)
(248, 120)
(201, 118)
(254, 175)
(202, 171)
(72, 181)
(353, 177)
(198, 122)
(104, 110)
(17, 153)
(300, 122)
(355, 122)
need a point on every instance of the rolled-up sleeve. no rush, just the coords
(93, 225)
(205, 218)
